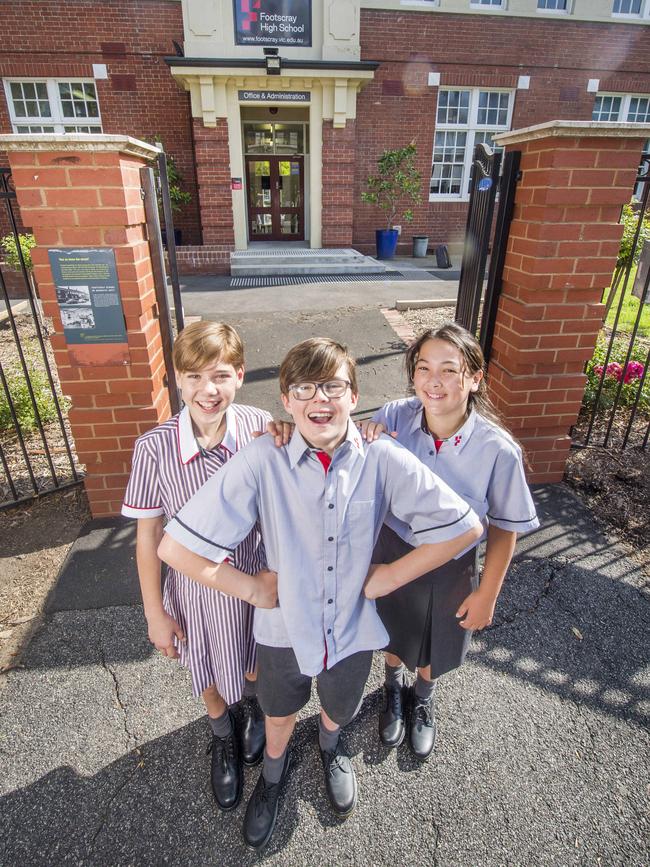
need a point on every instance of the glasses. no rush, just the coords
(332, 389)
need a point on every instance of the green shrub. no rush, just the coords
(630, 220)
(631, 376)
(22, 401)
(10, 254)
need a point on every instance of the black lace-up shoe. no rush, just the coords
(226, 774)
(421, 726)
(391, 718)
(253, 735)
(262, 809)
(340, 780)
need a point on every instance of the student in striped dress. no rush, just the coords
(211, 634)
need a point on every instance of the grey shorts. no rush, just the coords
(282, 689)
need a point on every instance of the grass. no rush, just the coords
(629, 310)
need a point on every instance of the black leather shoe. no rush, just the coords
(391, 718)
(340, 780)
(421, 726)
(262, 809)
(226, 774)
(253, 735)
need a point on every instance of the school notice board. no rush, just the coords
(88, 294)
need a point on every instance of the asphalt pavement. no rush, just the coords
(543, 746)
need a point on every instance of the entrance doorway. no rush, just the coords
(275, 198)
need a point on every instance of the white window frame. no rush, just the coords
(57, 119)
(644, 12)
(472, 127)
(426, 4)
(567, 11)
(625, 98)
(488, 7)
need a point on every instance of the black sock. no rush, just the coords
(424, 689)
(395, 675)
(272, 768)
(222, 725)
(250, 688)
(327, 740)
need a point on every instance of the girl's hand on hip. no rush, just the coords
(476, 610)
(162, 630)
(265, 589)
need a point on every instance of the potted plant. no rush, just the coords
(177, 195)
(397, 183)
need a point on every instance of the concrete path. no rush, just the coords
(542, 753)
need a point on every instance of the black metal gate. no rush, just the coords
(616, 405)
(483, 232)
(36, 449)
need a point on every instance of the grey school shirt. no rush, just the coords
(481, 462)
(319, 530)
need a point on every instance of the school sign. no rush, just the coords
(273, 22)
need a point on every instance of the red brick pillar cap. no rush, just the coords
(76, 142)
(573, 129)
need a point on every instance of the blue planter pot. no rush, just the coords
(386, 243)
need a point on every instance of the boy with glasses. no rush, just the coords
(321, 501)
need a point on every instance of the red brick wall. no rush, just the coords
(45, 38)
(339, 154)
(487, 51)
(213, 177)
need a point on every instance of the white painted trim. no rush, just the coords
(100, 71)
(434, 79)
(523, 82)
(573, 129)
(592, 85)
(78, 141)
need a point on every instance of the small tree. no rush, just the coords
(10, 250)
(397, 183)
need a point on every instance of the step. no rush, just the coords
(267, 269)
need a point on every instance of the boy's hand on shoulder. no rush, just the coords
(161, 630)
(477, 610)
(265, 589)
(372, 430)
(281, 431)
(379, 582)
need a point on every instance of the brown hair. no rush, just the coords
(201, 343)
(316, 360)
(472, 354)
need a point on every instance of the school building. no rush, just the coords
(275, 111)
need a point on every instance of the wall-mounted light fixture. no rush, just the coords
(273, 61)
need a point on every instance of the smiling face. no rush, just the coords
(208, 392)
(322, 420)
(443, 384)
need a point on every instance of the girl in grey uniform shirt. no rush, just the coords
(452, 427)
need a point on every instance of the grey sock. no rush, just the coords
(222, 725)
(250, 688)
(272, 768)
(424, 689)
(395, 675)
(327, 740)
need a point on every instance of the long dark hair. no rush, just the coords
(472, 354)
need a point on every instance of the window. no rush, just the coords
(464, 118)
(50, 105)
(627, 7)
(553, 5)
(492, 4)
(621, 107)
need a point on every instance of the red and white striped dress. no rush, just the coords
(168, 468)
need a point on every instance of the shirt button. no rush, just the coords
(330, 538)
(331, 506)
(330, 601)
(330, 568)
(329, 631)
(431, 452)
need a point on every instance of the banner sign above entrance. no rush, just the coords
(274, 96)
(273, 22)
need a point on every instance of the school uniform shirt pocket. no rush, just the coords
(359, 527)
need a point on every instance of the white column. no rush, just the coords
(316, 167)
(237, 169)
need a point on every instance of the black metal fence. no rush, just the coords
(484, 234)
(616, 405)
(36, 449)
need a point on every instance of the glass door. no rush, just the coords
(275, 198)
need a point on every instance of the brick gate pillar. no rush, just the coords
(84, 192)
(562, 250)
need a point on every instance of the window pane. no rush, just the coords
(78, 99)
(453, 106)
(606, 108)
(627, 7)
(41, 90)
(552, 4)
(448, 162)
(639, 111)
(486, 2)
(493, 109)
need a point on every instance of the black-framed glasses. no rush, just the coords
(332, 389)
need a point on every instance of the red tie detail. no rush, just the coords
(438, 443)
(325, 459)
